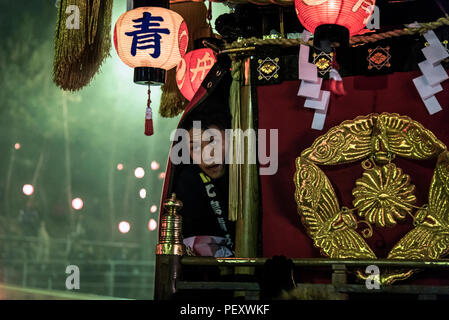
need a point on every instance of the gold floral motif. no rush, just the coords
(268, 67)
(384, 195)
(378, 58)
(323, 64)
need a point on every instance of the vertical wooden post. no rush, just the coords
(168, 270)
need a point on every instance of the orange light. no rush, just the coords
(162, 175)
(17, 146)
(137, 47)
(120, 167)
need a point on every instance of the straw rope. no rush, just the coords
(354, 41)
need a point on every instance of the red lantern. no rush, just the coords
(192, 69)
(150, 37)
(351, 14)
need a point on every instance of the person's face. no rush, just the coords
(211, 163)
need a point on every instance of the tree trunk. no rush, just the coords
(111, 189)
(12, 159)
(68, 174)
(38, 169)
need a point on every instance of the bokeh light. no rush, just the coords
(77, 203)
(153, 208)
(154, 165)
(120, 167)
(124, 226)
(28, 189)
(152, 225)
(143, 193)
(162, 175)
(139, 172)
(17, 146)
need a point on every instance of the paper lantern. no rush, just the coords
(151, 37)
(351, 14)
(192, 69)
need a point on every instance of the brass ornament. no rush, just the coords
(383, 195)
(170, 238)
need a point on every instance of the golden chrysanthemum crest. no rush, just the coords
(383, 196)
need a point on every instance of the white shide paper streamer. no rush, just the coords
(310, 86)
(429, 84)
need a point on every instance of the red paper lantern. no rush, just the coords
(151, 37)
(351, 14)
(192, 69)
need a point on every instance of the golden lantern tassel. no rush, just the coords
(81, 48)
(172, 101)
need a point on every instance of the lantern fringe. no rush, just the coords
(79, 53)
(194, 13)
(172, 101)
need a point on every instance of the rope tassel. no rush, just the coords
(149, 122)
(149, 116)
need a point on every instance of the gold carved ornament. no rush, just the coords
(383, 195)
